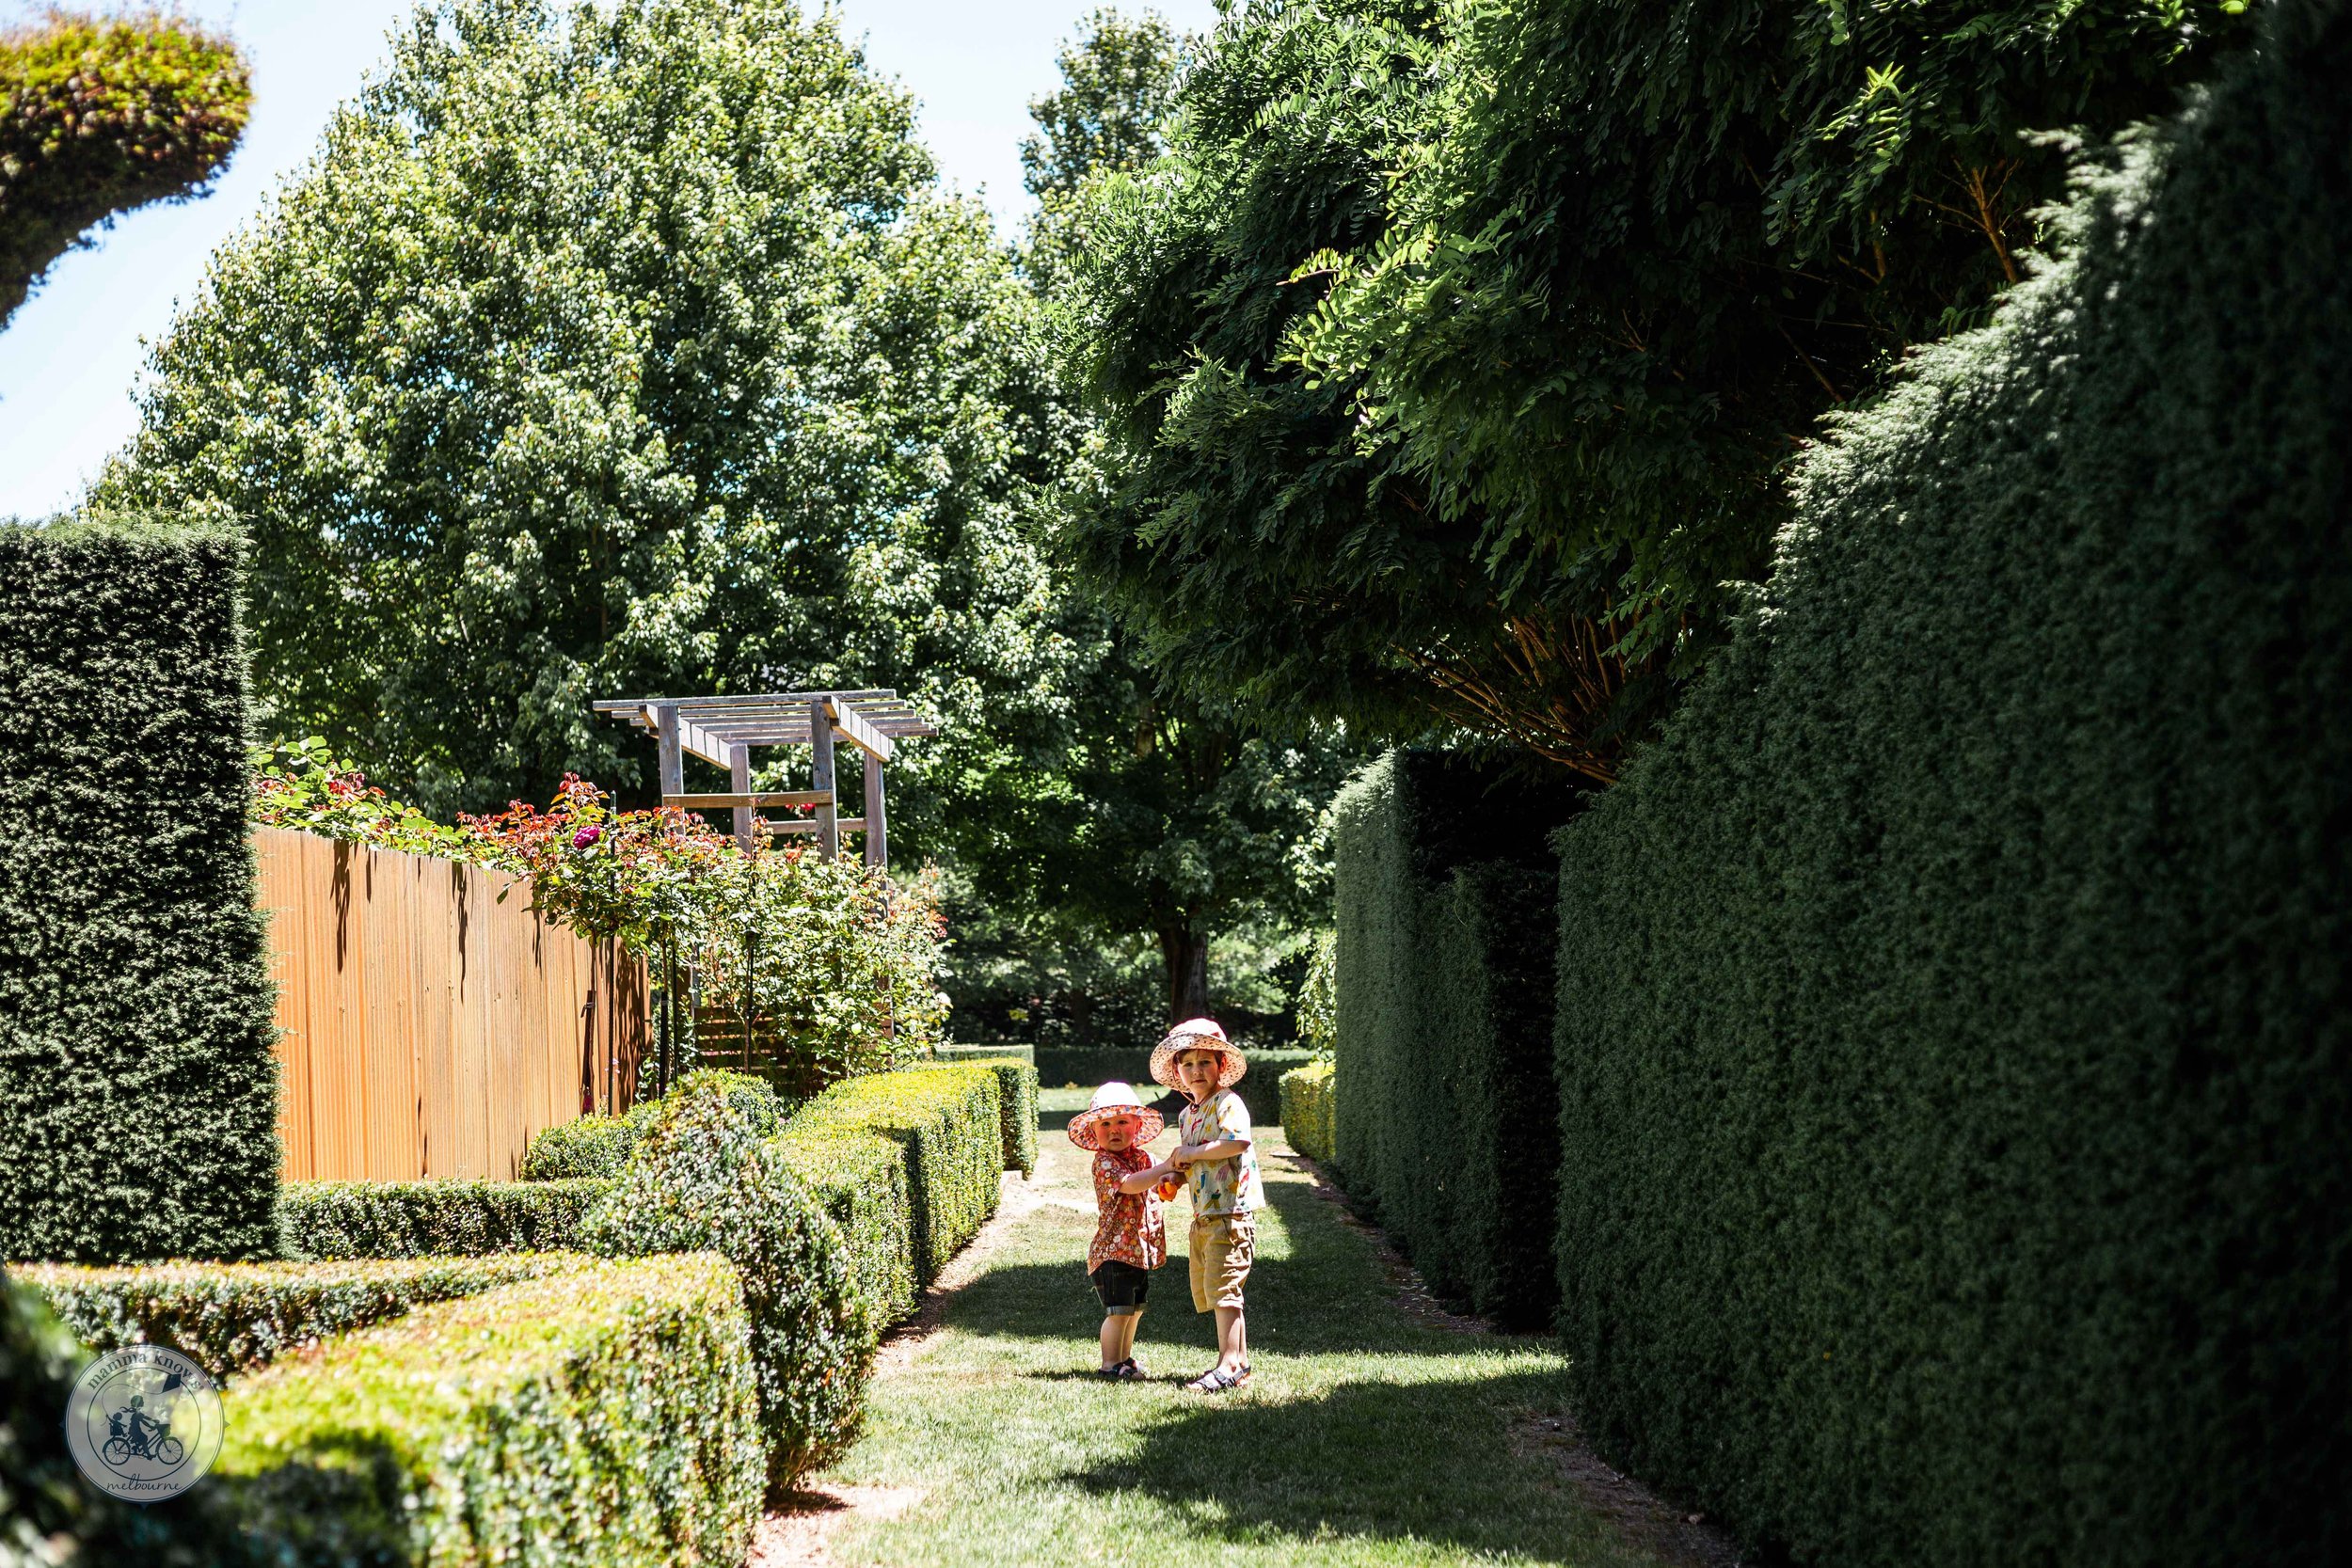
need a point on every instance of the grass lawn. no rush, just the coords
(1366, 1438)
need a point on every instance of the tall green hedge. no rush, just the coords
(135, 1035)
(1445, 1114)
(1955, 1038)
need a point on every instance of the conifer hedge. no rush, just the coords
(1954, 1036)
(136, 1034)
(1444, 1111)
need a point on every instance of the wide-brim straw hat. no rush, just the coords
(1197, 1034)
(1112, 1099)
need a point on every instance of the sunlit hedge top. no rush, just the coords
(98, 115)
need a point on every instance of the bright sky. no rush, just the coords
(70, 357)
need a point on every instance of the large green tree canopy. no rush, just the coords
(1454, 354)
(606, 351)
(101, 115)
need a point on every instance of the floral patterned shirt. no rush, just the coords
(1222, 1186)
(1132, 1229)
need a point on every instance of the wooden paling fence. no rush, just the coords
(427, 1028)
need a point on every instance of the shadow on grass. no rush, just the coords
(1429, 1461)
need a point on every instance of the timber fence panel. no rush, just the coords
(426, 1028)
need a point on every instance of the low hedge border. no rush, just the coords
(1260, 1087)
(322, 1220)
(604, 1416)
(600, 1146)
(908, 1164)
(704, 1179)
(235, 1317)
(1307, 1110)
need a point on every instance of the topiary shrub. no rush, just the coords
(600, 1146)
(607, 1417)
(1016, 1094)
(1955, 1028)
(234, 1317)
(432, 1219)
(705, 1179)
(136, 1046)
(1307, 1110)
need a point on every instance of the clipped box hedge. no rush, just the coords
(705, 1178)
(909, 1163)
(136, 1044)
(234, 1317)
(595, 1145)
(1016, 1095)
(1261, 1089)
(1307, 1110)
(1956, 1019)
(605, 1415)
(319, 1220)
(1445, 1114)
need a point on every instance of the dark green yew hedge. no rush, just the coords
(136, 1065)
(1444, 1114)
(607, 1415)
(1955, 1040)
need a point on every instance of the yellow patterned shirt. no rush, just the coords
(1222, 1186)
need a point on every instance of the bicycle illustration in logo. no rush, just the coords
(144, 1424)
(132, 1434)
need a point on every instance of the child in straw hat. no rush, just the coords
(1130, 1233)
(1216, 1147)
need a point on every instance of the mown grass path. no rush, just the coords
(1368, 1436)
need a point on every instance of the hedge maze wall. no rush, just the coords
(135, 1036)
(1446, 1115)
(1953, 1009)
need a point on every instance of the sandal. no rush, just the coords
(1127, 1370)
(1112, 1374)
(1216, 1381)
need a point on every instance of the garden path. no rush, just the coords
(1378, 1430)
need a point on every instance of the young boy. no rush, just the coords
(1214, 1147)
(1130, 1232)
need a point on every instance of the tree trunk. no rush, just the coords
(1185, 953)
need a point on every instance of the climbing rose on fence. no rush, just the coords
(299, 785)
(633, 875)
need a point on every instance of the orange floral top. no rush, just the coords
(1131, 1228)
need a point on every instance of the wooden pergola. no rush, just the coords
(722, 731)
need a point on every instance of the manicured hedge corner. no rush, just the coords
(607, 1415)
(1955, 1014)
(233, 1317)
(948, 1123)
(48, 1514)
(1016, 1088)
(1307, 1110)
(432, 1219)
(704, 1179)
(137, 1045)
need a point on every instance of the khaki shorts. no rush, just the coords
(1222, 1247)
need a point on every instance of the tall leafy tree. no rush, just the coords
(1153, 812)
(608, 350)
(101, 115)
(1451, 354)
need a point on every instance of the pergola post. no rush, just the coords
(672, 756)
(740, 780)
(877, 831)
(828, 815)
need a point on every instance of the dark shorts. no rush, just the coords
(1121, 1287)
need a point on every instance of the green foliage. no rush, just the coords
(909, 1164)
(706, 1178)
(1307, 1105)
(101, 115)
(1260, 1090)
(1318, 1003)
(1953, 1042)
(597, 1146)
(48, 1515)
(1016, 1101)
(234, 1317)
(322, 1220)
(612, 350)
(1451, 358)
(299, 785)
(1448, 1122)
(1118, 86)
(605, 1415)
(136, 1037)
